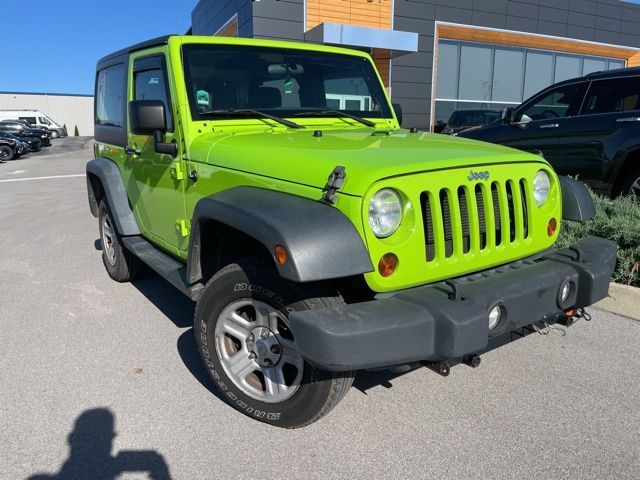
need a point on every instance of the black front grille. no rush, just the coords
(441, 216)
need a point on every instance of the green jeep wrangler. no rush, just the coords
(271, 182)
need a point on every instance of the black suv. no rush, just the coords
(589, 127)
(19, 129)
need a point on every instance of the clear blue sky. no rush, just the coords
(53, 46)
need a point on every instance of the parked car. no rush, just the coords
(466, 118)
(32, 144)
(36, 119)
(318, 242)
(588, 127)
(18, 128)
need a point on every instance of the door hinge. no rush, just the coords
(183, 227)
(177, 172)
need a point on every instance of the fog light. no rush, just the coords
(387, 264)
(566, 291)
(495, 314)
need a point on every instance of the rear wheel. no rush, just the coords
(242, 332)
(6, 152)
(120, 263)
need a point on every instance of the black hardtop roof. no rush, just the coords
(154, 42)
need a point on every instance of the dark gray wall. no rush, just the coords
(607, 21)
(209, 15)
(279, 19)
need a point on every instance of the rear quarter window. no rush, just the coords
(110, 95)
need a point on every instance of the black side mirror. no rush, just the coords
(397, 108)
(147, 117)
(507, 115)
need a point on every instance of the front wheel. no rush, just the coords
(241, 328)
(6, 152)
(54, 134)
(631, 185)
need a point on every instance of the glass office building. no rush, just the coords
(476, 75)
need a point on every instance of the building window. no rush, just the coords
(475, 75)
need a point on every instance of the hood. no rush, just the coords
(299, 156)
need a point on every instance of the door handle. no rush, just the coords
(550, 125)
(131, 151)
(628, 119)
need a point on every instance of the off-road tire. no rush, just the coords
(121, 265)
(319, 391)
(6, 152)
(631, 185)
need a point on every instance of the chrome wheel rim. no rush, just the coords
(257, 351)
(634, 191)
(107, 241)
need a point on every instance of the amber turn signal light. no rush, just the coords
(280, 254)
(388, 264)
(552, 226)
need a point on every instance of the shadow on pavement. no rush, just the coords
(176, 306)
(91, 442)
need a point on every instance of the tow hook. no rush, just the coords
(441, 367)
(472, 360)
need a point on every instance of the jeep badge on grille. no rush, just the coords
(478, 175)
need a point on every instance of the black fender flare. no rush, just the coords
(113, 186)
(321, 241)
(577, 204)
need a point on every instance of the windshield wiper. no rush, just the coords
(249, 111)
(338, 113)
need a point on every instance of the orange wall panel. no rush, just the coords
(365, 13)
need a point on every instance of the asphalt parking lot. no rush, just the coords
(103, 380)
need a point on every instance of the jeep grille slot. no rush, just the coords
(474, 218)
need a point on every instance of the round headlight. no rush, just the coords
(541, 185)
(385, 212)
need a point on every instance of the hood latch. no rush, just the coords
(334, 183)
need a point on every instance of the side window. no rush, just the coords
(110, 96)
(555, 103)
(44, 121)
(30, 120)
(609, 96)
(150, 83)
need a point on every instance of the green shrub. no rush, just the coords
(619, 221)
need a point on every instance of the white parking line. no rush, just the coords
(42, 178)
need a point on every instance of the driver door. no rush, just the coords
(540, 122)
(156, 181)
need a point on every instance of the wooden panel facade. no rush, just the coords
(365, 13)
(229, 29)
(515, 39)
(382, 59)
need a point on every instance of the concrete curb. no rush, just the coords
(623, 300)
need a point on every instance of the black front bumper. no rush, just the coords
(449, 321)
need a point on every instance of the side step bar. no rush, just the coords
(172, 270)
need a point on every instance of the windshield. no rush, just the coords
(282, 82)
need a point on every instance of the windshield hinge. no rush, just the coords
(177, 172)
(183, 227)
(334, 183)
